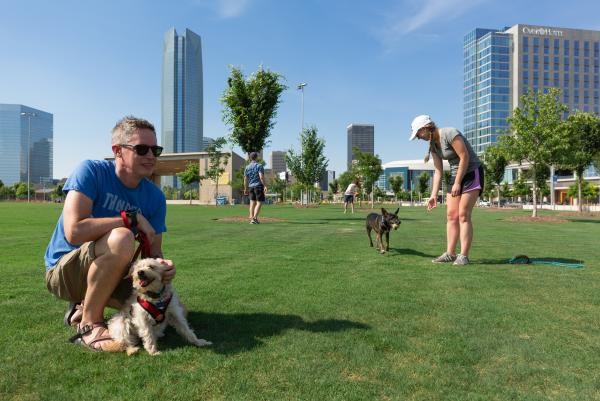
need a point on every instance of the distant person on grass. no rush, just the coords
(350, 194)
(466, 183)
(254, 186)
(93, 243)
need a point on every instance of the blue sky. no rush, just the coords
(379, 62)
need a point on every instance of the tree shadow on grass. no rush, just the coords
(239, 332)
(597, 221)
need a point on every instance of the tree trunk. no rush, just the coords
(498, 192)
(534, 197)
(579, 194)
(216, 191)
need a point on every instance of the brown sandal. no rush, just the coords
(101, 341)
(73, 314)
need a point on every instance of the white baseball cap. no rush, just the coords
(418, 123)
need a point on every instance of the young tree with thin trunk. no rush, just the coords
(310, 164)
(580, 143)
(368, 167)
(535, 135)
(495, 164)
(250, 105)
(190, 175)
(397, 183)
(217, 161)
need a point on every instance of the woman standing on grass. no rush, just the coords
(466, 184)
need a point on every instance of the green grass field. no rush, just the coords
(301, 308)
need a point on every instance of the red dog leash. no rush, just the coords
(144, 247)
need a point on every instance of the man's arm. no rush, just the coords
(261, 176)
(79, 226)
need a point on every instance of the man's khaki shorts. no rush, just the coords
(68, 278)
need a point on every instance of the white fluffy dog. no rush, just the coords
(151, 307)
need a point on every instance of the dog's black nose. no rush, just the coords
(141, 274)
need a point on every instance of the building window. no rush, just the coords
(566, 48)
(536, 45)
(586, 49)
(576, 48)
(525, 44)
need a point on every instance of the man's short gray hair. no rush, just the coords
(126, 126)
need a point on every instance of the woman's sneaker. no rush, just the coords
(461, 260)
(444, 258)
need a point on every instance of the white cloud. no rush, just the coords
(427, 12)
(225, 8)
(231, 8)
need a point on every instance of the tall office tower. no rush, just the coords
(278, 164)
(182, 102)
(361, 136)
(501, 66)
(26, 145)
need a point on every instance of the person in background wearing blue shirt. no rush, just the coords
(254, 186)
(93, 243)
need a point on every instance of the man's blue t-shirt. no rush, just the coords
(98, 180)
(252, 170)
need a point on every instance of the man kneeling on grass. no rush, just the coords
(93, 244)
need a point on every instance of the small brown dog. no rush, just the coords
(151, 307)
(382, 224)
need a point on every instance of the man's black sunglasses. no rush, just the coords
(142, 150)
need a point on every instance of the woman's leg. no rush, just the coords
(465, 209)
(452, 223)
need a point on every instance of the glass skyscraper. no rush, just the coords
(182, 101)
(25, 150)
(502, 65)
(361, 136)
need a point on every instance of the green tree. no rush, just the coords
(250, 105)
(584, 190)
(169, 192)
(368, 167)
(580, 144)
(535, 129)
(278, 186)
(520, 186)
(397, 185)
(7, 193)
(495, 164)
(310, 164)
(217, 161)
(423, 184)
(58, 191)
(189, 176)
(334, 186)
(345, 179)
(20, 189)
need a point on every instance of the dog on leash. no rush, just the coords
(151, 306)
(382, 224)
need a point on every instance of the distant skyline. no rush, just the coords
(379, 63)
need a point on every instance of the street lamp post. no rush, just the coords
(29, 115)
(301, 89)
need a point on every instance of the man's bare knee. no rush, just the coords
(118, 245)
